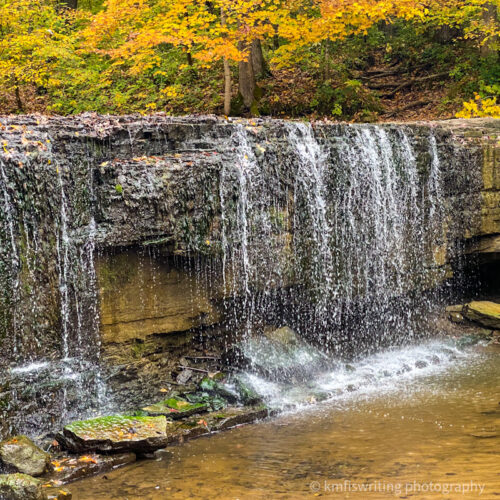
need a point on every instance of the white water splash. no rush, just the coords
(388, 371)
(310, 185)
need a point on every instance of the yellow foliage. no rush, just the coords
(45, 45)
(480, 108)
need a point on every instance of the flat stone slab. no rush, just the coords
(202, 425)
(191, 429)
(20, 453)
(175, 408)
(67, 469)
(232, 417)
(484, 312)
(116, 433)
(56, 493)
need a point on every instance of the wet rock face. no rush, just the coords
(138, 191)
(20, 487)
(24, 456)
(172, 299)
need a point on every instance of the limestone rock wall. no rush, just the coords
(71, 187)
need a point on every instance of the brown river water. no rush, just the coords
(433, 436)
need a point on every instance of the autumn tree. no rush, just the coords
(35, 36)
(184, 55)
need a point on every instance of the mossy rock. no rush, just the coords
(213, 401)
(117, 433)
(248, 395)
(210, 385)
(484, 312)
(232, 417)
(175, 408)
(20, 487)
(24, 456)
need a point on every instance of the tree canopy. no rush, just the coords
(249, 57)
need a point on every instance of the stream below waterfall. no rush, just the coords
(417, 430)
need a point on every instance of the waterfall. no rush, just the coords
(340, 232)
(367, 220)
(49, 317)
(311, 186)
(63, 247)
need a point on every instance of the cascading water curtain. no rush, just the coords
(355, 218)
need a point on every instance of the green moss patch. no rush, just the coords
(176, 408)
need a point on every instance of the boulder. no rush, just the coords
(24, 456)
(211, 386)
(455, 317)
(116, 433)
(283, 336)
(20, 487)
(282, 355)
(248, 396)
(484, 312)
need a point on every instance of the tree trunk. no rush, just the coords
(258, 62)
(246, 80)
(326, 53)
(227, 74)
(72, 4)
(276, 39)
(19, 102)
(227, 88)
(490, 16)
(446, 34)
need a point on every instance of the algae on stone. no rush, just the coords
(175, 408)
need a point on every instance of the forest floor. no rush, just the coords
(409, 96)
(399, 94)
